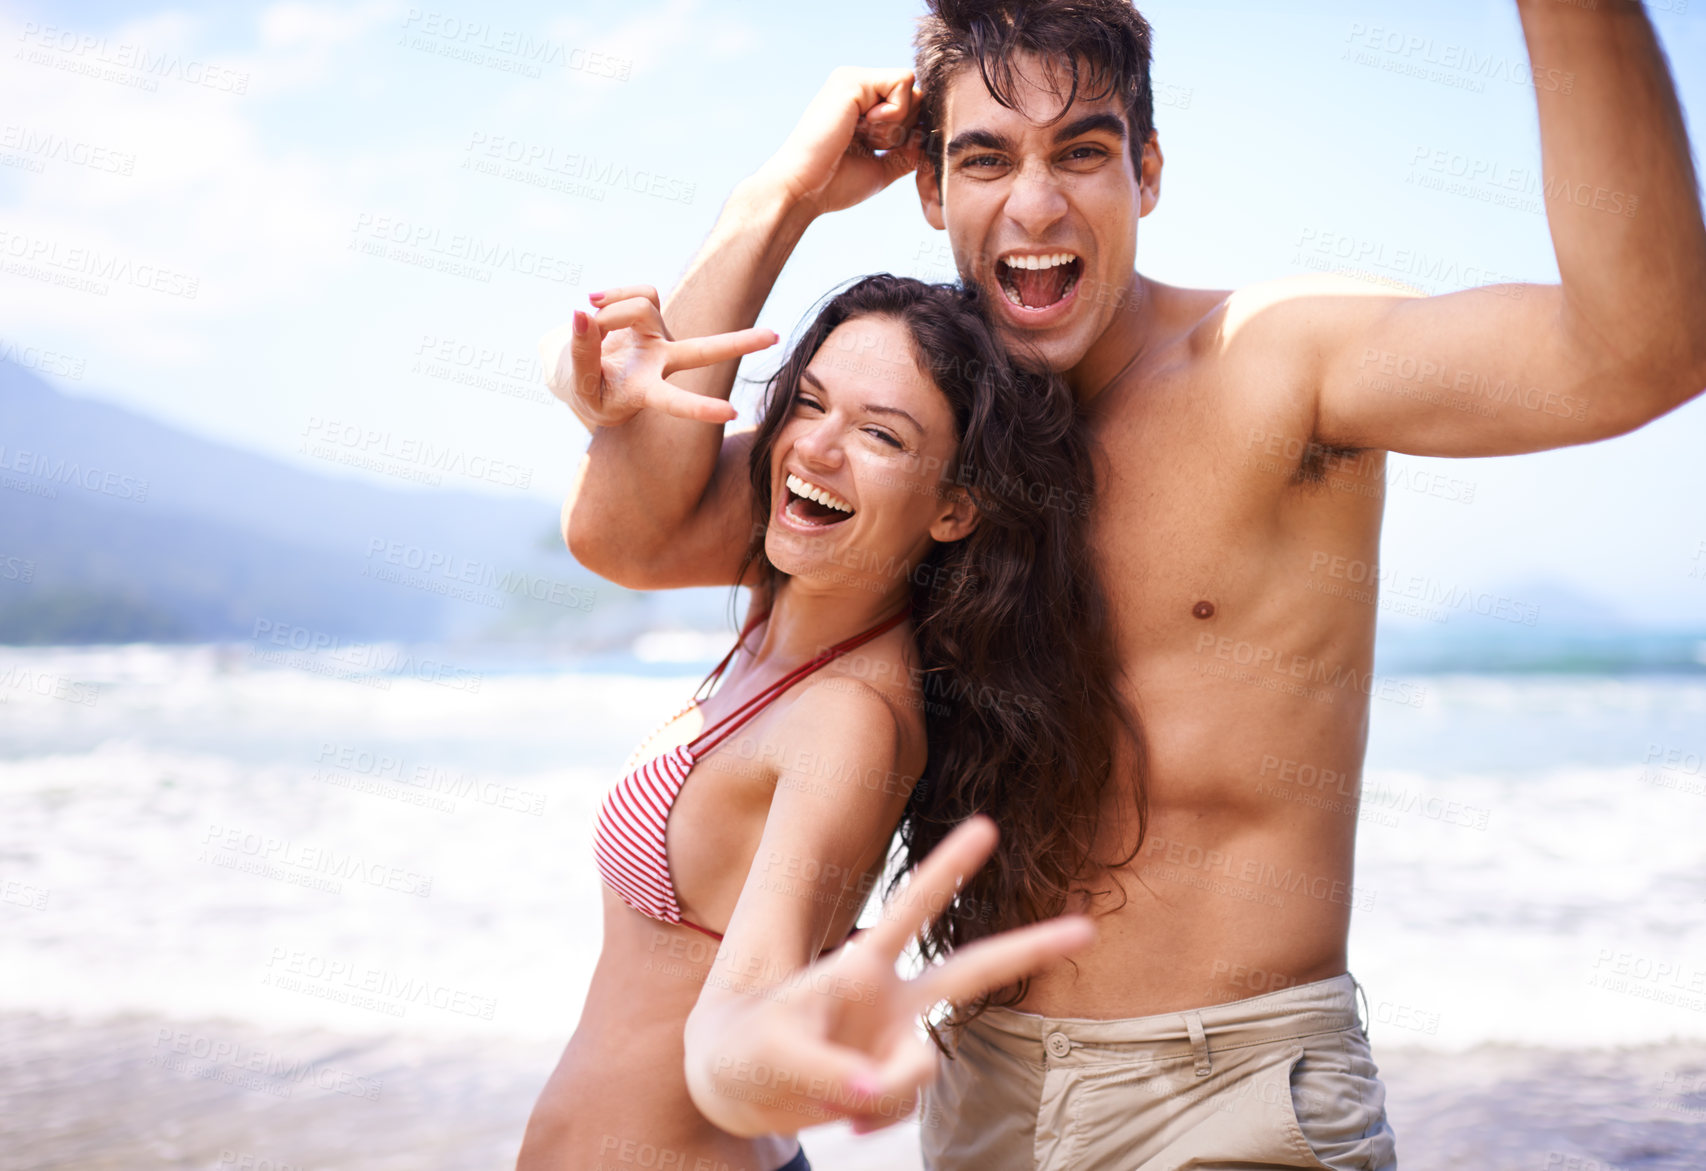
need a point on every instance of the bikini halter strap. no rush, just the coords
(731, 723)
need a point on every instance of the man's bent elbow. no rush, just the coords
(1674, 379)
(1675, 374)
(600, 546)
(1695, 384)
(586, 546)
(594, 546)
(1631, 401)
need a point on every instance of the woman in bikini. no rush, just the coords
(918, 603)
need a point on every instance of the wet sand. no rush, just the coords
(144, 1092)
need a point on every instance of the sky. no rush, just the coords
(292, 189)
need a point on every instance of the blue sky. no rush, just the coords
(299, 166)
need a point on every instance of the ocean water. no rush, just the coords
(199, 832)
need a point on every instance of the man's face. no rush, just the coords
(1041, 208)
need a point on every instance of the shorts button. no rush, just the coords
(1058, 1044)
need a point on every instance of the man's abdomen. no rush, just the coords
(1243, 883)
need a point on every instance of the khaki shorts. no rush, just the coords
(1281, 1080)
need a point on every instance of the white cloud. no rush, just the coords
(210, 192)
(653, 38)
(294, 25)
(300, 43)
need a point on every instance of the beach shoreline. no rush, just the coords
(138, 1090)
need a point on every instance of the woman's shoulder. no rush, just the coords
(843, 730)
(860, 719)
(840, 700)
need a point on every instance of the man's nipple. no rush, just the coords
(1203, 609)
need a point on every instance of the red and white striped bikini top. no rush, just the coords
(629, 840)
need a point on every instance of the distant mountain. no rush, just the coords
(1533, 627)
(115, 527)
(118, 528)
(1517, 650)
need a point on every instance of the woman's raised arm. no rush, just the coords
(648, 527)
(776, 1042)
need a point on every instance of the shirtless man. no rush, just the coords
(1243, 440)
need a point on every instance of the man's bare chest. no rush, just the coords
(1209, 500)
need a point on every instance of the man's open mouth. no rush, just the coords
(809, 504)
(1038, 280)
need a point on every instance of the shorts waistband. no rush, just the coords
(1304, 1010)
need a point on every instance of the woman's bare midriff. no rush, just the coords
(618, 1097)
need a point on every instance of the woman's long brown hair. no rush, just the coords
(1023, 710)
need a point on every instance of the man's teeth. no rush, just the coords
(812, 492)
(1010, 289)
(1050, 261)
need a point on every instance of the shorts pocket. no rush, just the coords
(1339, 1105)
(1240, 1115)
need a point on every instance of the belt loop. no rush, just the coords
(1199, 1043)
(1363, 1013)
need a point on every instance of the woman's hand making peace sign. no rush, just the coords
(612, 364)
(840, 1039)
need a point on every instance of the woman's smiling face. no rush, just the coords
(856, 473)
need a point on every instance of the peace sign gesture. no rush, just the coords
(612, 364)
(840, 1039)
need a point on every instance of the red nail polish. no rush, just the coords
(599, 296)
(580, 322)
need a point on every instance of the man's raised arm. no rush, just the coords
(1512, 368)
(662, 498)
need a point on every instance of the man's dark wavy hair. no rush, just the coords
(1101, 48)
(1020, 679)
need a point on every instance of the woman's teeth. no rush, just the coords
(822, 496)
